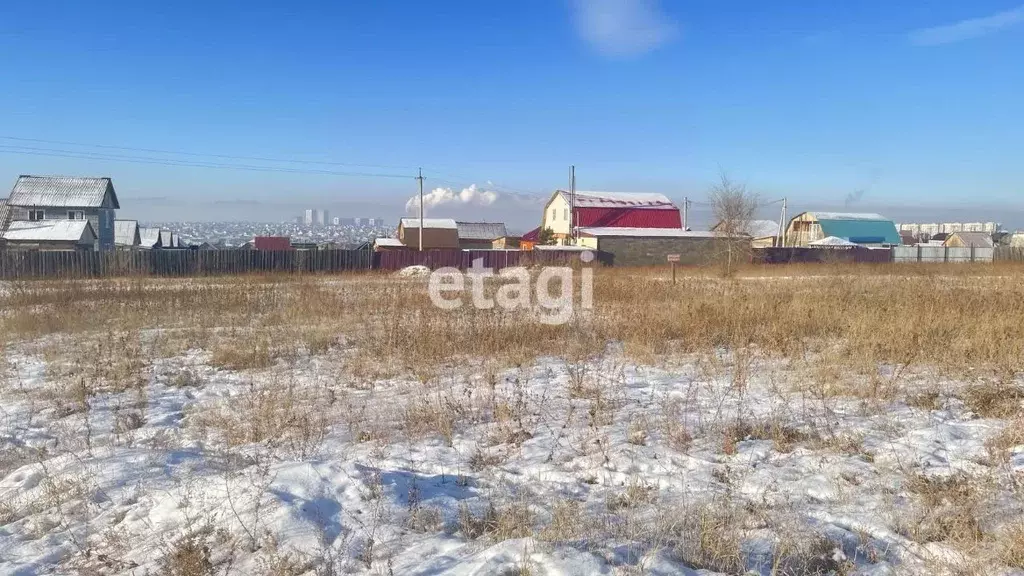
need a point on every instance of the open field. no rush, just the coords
(790, 420)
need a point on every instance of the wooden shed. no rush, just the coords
(438, 233)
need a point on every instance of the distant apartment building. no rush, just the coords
(336, 221)
(309, 217)
(323, 217)
(935, 228)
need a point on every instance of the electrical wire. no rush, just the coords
(87, 155)
(199, 154)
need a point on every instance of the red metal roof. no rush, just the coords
(272, 243)
(628, 218)
(532, 235)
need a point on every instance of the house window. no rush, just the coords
(554, 214)
(76, 215)
(565, 214)
(35, 215)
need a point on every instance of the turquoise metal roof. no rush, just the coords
(862, 231)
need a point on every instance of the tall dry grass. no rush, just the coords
(862, 316)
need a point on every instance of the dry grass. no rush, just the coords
(949, 509)
(864, 316)
(838, 325)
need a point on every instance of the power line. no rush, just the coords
(87, 155)
(199, 154)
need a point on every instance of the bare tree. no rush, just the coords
(734, 207)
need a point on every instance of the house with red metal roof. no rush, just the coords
(608, 210)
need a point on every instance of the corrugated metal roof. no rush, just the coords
(590, 199)
(389, 242)
(445, 223)
(481, 230)
(62, 191)
(861, 231)
(50, 230)
(648, 232)
(149, 237)
(976, 239)
(848, 216)
(126, 233)
(165, 239)
(628, 217)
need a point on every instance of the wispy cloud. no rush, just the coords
(623, 27)
(968, 29)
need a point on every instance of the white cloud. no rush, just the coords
(623, 27)
(441, 196)
(968, 29)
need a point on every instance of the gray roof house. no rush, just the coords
(479, 235)
(149, 238)
(126, 234)
(40, 198)
(50, 235)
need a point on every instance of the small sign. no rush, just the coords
(673, 257)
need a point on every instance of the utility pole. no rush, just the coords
(420, 178)
(782, 226)
(686, 206)
(572, 203)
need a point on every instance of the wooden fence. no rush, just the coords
(463, 259)
(1009, 254)
(28, 264)
(34, 264)
(858, 255)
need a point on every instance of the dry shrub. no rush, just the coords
(188, 556)
(636, 493)
(948, 509)
(783, 435)
(252, 353)
(280, 415)
(438, 415)
(994, 400)
(709, 536)
(508, 522)
(185, 378)
(483, 459)
(637, 432)
(808, 555)
(426, 519)
(930, 400)
(1010, 545)
(1009, 438)
(673, 426)
(567, 522)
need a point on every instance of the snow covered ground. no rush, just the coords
(717, 464)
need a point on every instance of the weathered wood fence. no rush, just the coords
(1009, 254)
(28, 264)
(40, 264)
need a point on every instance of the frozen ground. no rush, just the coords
(702, 466)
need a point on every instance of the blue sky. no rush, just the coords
(915, 103)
